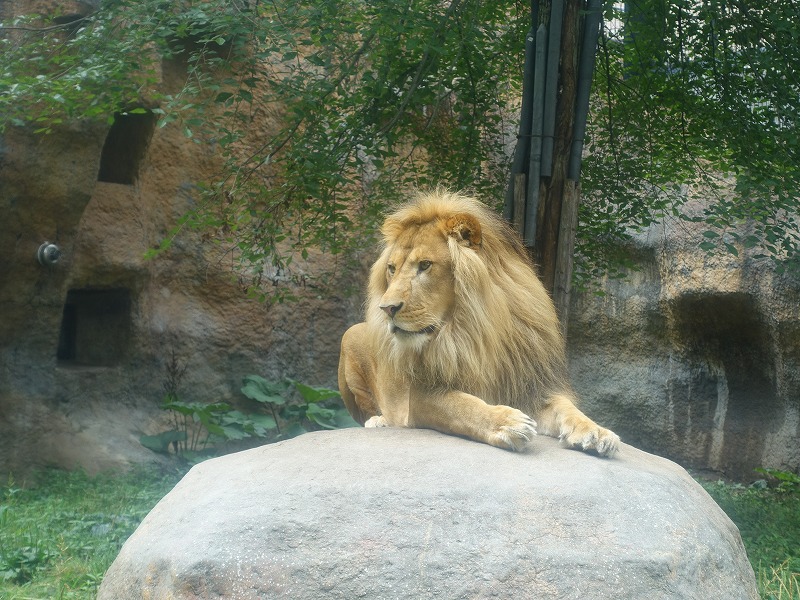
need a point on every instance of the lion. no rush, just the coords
(460, 335)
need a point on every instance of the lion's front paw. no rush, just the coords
(376, 421)
(589, 436)
(514, 431)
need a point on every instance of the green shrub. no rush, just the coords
(315, 408)
(282, 410)
(767, 514)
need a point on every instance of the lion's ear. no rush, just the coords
(465, 229)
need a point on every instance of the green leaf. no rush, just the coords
(262, 390)
(264, 422)
(343, 419)
(751, 241)
(321, 416)
(231, 432)
(314, 394)
(160, 443)
(707, 246)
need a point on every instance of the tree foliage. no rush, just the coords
(374, 97)
(697, 100)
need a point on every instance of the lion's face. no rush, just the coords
(419, 295)
(413, 283)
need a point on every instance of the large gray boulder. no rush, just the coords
(394, 513)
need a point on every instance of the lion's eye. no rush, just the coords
(390, 267)
(424, 265)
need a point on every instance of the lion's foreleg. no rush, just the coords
(356, 375)
(356, 396)
(466, 415)
(562, 419)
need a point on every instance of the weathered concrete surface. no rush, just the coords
(393, 513)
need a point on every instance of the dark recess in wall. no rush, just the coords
(95, 327)
(125, 147)
(732, 344)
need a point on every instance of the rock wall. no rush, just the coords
(84, 342)
(694, 357)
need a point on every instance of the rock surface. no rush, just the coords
(692, 356)
(84, 342)
(393, 513)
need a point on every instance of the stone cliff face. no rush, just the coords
(694, 357)
(83, 342)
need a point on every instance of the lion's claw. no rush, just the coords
(603, 441)
(376, 421)
(516, 433)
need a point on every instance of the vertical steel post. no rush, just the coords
(551, 85)
(591, 32)
(534, 168)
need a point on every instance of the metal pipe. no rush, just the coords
(535, 164)
(551, 85)
(522, 150)
(591, 32)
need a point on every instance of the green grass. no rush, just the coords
(769, 520)
(60, 534)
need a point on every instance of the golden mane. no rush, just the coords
(503, 342)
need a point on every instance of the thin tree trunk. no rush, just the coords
(566, 248)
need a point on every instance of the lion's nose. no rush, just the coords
(391, 309)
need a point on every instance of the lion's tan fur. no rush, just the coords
(476, 327)
(503, 343)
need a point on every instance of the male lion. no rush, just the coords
(460, 335)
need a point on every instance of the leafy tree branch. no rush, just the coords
(376, 97)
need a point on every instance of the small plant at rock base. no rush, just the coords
(779, 583)
(202, 430)
(297, 407)
(284, 409)
(786, 481)
(767, 514)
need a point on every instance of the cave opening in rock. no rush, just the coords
(125, 147)
(95, 327)
(734, 394)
